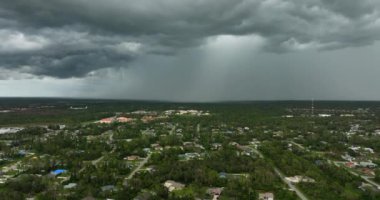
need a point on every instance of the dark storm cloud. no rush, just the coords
(73, 38)
(64, 53)
(351, 8)
(78, 63)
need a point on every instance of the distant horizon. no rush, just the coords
(168, 101)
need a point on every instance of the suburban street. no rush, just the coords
(142, 163)
(172, 131)
(366, 178)
(282, 176)
(110, 140)
(298, 145)
(293, 187)
(336, 163)
(96, 161)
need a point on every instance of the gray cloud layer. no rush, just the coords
(75, 38)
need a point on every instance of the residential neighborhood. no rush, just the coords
(195, 154)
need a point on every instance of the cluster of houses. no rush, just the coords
(149, 118)
(10, 171)
(335, 112)
(132, 158)
(299, 179)
(115, 119)
(376, 132)
(215, 192)
(363, 164)
(366, 166)
(353, 130)
(10, 129)
(187, 112)
(347, 115)
(153, 115)
(324, 115)
(143, 112)
(266, 196)
(358, 149)
(173, 185)
(226, 131)
(190, 156)
(148, 132)
(353, 162)
(78, 107)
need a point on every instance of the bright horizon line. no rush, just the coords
(179, 101)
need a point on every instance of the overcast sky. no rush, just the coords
(191, 50)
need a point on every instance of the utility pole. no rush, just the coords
(312, 107)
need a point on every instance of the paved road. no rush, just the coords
(142, 163)
(281, 175)
(336, 163)
(298, 145)
(366, 178)
(110, 139)
(258, 153)
(293, 187)
(95, 162)
(171, 132)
